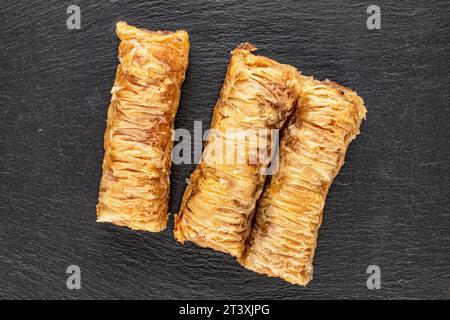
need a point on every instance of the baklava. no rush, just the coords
(134, 187)
(313, 147)
(256, 99)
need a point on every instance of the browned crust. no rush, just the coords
(134, 188)
(284, 234)
(220, 200)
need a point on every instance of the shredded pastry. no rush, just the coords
(284, 234)
(134, 188)
(257, 96)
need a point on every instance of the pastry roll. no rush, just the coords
(284, 234)
(134, 188)
(257, 97)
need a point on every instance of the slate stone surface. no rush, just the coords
(388, 207)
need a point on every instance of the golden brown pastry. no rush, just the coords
(134, 188)
(219, 202)
(284, 234)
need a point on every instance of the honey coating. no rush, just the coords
(220, 200)
(313, 147)
(134, 187)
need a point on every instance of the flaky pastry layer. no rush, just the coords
(219, 202)
(313, 147)
(134, 188)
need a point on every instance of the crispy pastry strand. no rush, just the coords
(312, 151)
(219, 202)
(134, 188)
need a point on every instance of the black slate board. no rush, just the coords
(388, 207)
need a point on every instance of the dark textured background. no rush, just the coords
(389, 206)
